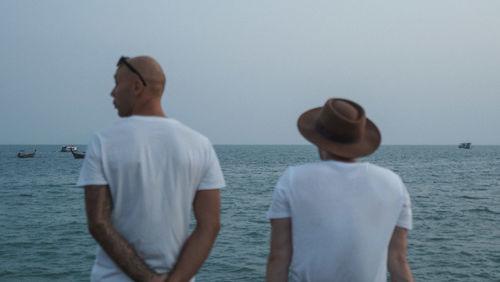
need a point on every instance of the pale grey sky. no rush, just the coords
(241, 72)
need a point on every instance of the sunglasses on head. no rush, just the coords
(123, 60)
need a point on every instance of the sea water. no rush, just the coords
(455, 196)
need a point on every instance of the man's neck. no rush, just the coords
(326, 156)
(150, 114)
(340, 159)
(150, 108)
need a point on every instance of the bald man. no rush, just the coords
(141, 176)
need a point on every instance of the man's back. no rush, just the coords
(153, 167)
(343, 215)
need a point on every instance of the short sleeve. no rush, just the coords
(92, 172)
(280, 206)
(213, 177)
(405, 216)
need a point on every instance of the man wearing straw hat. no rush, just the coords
(338, 219)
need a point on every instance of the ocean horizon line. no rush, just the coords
(241, 144)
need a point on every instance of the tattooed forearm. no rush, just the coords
(98, 204)
(122, 253)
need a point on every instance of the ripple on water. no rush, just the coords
(482, 210)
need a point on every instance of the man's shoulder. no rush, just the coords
(327, 165)
(306, 170)
(188, 130)
(372, 170)
(304, 167)
(383, 172)
(140, 130)
(143, 123)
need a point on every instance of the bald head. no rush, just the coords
(133, 96)
(152, 73)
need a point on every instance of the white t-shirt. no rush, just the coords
(153, 167)
(343, 216)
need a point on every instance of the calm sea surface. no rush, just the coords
(455, 195)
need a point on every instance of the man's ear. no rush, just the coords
(322, 154)
(138, 87)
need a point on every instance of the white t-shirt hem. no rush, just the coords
(212, 187)
(407, 226)
(88, 183)
(278, 215)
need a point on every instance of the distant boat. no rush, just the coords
(69, 148)
(78, 155)
(464, 145)
(22, 155)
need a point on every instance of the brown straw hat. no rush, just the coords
(340, 127)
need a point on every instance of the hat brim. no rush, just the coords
(367, 144)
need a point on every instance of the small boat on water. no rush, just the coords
(78, 155)
(69, 148)
(464, 145)
(22, 155)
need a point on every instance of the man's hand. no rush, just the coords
(281, 250)
(98, 205)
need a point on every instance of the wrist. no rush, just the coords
(158, 277)
(174, 277)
